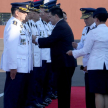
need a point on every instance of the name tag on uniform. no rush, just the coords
(23, 40)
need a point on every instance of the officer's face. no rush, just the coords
(44, 15)
(26, 19)
(21, 15)
(36, 16)
(89, 21)
(31, 15)
(42, 12)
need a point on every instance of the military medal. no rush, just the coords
(40, 33)
(23, 40)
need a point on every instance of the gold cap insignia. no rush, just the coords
(83, 12)
(27, 6)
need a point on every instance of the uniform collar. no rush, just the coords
(44, 22)
(93, 26)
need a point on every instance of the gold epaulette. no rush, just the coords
(15, 22)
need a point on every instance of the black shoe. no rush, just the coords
(54, 96)
(48, 100)
(38, 105)
(44, 103)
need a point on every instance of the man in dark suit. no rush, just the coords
(60, 41)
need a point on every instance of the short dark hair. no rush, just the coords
(13, 10)
(102, 17)
(56, 10)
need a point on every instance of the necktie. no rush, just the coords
(88, 30)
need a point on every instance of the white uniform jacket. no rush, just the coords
(45, 52)
(97, 44)
(28, 33)
(16, 47)
(36, 51)
(81, 43)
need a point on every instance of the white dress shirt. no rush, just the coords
(96, 44)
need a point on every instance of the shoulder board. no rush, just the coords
(15, 22)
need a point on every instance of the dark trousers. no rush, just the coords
(54, 82)
(15, 91)
(64, 86)
(32, 96)
(90, 97)
(36, 83)
(47, 88)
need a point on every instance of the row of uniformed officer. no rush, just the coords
(40, 89)
(27, 66)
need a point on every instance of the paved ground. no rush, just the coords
(77, 80)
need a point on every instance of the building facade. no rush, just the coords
(71, 7)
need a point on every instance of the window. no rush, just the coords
(4, 17)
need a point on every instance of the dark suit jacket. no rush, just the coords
(60, 41)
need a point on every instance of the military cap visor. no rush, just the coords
(87, 12)
(84, 16)
(21, 6)
(34, 9)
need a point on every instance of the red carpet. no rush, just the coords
(77, 98)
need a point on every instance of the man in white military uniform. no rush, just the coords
(16, 57)
(44, 56)
(32, 99)
(87, 15)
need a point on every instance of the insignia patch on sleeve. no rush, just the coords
(15, 22)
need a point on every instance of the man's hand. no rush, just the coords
(13, 73)
(74, 44)
(69, 52)
(85, 69)
(33, 39)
